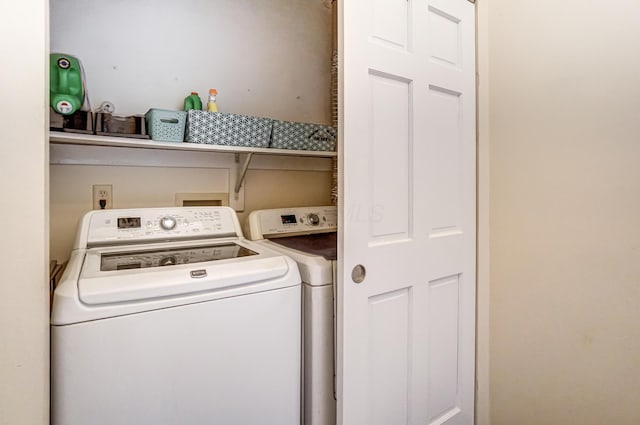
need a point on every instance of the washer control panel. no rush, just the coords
(148, 224)
(290, 221)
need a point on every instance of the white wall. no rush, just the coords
(565, 233)
(135, 187)
(265, 58)
(24, 296)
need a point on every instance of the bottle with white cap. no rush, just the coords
(212, 106)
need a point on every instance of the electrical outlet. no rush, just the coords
(102, 196)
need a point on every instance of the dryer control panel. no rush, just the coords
(292, 221)
(108, 227)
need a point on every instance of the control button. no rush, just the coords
(168, 223)
(313, 219)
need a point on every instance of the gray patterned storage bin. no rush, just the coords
(222, 128)
(303, 136)
(165, 125)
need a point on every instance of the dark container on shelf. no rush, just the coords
(113, 125)
(78, 122)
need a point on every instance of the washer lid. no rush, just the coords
(151, 271)
(171, 256)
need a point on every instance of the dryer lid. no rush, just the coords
(322, 244)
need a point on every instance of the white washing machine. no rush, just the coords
(308, 235)
(170, 316)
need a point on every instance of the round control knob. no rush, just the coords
(313, 219)
(168, 223)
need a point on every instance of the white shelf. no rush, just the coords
(128, 142)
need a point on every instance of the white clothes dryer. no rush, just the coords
(309, 236)
(170, 316)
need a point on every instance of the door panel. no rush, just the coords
(388, 351)
(446, 149)
(390, 150)
(444, 356)
(444, 36)
(390, 22)
(407, 173)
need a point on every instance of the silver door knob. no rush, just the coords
(358, 273)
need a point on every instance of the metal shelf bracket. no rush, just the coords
(242, 173)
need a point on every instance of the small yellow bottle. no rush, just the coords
(212, 106)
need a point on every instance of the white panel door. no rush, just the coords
(406, 334)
